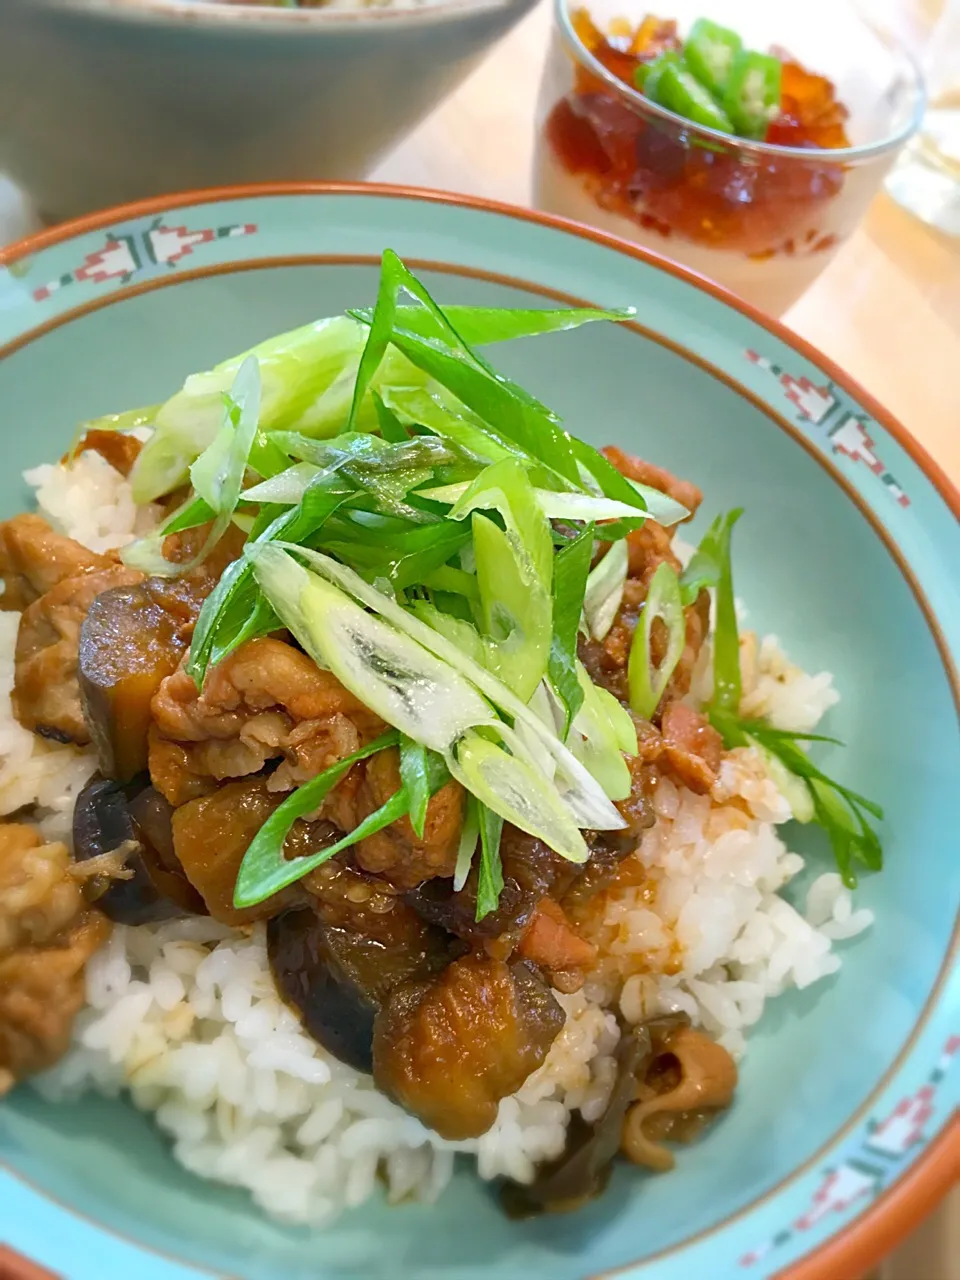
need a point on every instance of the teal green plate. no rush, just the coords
(849, 551)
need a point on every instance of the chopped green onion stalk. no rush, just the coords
(583, 506)
(480, 326)
(490, 880)
(515, 609)
(590, 807)
(605, 590)
(599, 737)
(715, 546)
(838, 810)
(702, 571)
(391, 673)
(191, 513)
(515, 789)
(571, 567)
(449, 360)
(391, 428)
(286, 488)
(505, 488)
(427, 698)
(415, 775)
(235, 610)
(264, 869)
(648, 682)
(469, 835)
(513, 570)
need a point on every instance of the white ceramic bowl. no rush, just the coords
(104, 101)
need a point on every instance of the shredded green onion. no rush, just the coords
(648, 681)
(571, 567)
(425, 528)
(415, 774)
(490, 879)
(604, 591)
(840, 812)
(264, 870)
(726, 637)
(467, 848)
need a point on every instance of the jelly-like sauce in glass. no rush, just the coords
(665, 177)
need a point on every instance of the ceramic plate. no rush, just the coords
(849, 550)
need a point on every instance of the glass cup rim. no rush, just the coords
(645, 106)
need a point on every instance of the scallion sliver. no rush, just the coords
(264, 869)
(648, 681)
(490, 878)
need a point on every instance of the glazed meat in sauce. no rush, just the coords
(267, 704)
(48, 931)
(382, 958)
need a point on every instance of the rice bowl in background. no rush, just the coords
(264, 93)
(783, 951)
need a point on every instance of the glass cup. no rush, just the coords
(926, 178)
(762, 219)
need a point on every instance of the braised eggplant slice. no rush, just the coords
(450, 1047)
(103, 822)
(338, 977)
(128, 643)
(212, 833)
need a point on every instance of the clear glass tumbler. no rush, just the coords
(926, 178)
(762, 219)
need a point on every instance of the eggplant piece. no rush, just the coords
(337, 978)
(450, 1047)
(211, 835)
(128, 643)
(104, 821)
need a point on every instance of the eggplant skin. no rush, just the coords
(102, 822)
(337, 976)
(311, 967)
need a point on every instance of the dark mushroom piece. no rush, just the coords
(105, 823)
(582, 1171)
(531, 871)
(689, 1080)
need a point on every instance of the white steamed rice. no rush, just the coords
(184, 1016)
